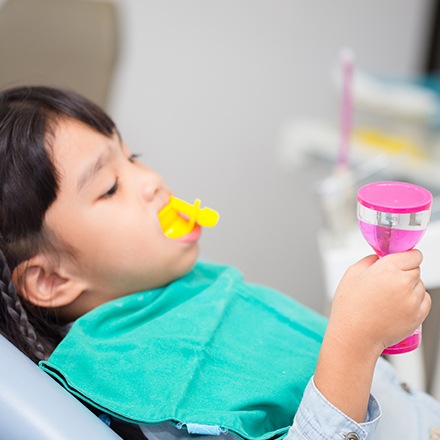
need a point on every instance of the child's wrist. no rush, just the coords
(344, 374)
(354, 345)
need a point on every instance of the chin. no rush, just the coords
(189, 263)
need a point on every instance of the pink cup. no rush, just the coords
(393, 216)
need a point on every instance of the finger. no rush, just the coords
(425, 305)
(420, 290)
(408, 260)
(366, 262)
(414, 274)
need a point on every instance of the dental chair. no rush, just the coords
(63, 43)
(34, 407)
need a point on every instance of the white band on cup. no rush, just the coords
(414, 221)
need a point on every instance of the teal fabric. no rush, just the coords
(207, 349)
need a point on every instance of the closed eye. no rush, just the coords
(133, 157)
(115, 187)
(112, 191)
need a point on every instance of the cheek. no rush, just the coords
(132, 245)
(115, 241)
(97, 243)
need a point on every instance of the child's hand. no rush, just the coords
(379, 302)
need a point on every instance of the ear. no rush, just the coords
(44, 284)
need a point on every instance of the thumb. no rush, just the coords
(365, 262)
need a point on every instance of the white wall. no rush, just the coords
(204, 87)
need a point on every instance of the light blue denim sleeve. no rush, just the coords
(317, 418)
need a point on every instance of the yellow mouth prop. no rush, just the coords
(179, 218)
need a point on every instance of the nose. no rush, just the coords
(151, 183)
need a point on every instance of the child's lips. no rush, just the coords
(192, 236)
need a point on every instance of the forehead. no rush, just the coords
(75, 144)
(73, 139)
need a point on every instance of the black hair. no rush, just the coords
(29, 184)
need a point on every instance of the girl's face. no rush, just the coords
(107, 210)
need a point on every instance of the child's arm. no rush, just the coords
(377, 304)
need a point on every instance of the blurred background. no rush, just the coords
(238, 102)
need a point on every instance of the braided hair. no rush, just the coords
(29, 184)
(18, 322)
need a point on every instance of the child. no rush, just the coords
(158, 337)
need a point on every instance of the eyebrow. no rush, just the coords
(90, 171)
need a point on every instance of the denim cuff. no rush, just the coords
(317, 418)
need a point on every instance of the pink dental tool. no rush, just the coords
(393, 217)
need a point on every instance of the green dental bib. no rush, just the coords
(208, 349)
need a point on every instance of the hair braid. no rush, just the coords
(18, 329)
